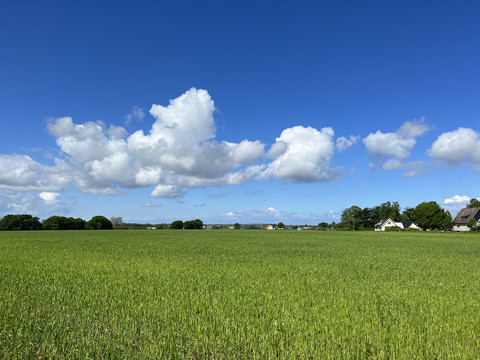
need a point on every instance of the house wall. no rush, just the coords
(460, 228)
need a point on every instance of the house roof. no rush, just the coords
(464, 216)
(407, 224)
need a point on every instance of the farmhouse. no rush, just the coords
(463, 217)
(389, 223)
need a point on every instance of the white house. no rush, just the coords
(389, 223)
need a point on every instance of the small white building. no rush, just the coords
(389, 223)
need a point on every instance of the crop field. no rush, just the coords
(239, 295)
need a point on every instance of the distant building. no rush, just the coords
(463, 217)
(389, 223)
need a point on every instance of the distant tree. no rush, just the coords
(177, 225)
(99, 223)
(237, 226)
(281, 225)
(20, 222)
(473, 203)
(322, 226)
(406, 214)
(55, 223)
(193, 224)
(352, 216)
(472, 224)
(429, 215)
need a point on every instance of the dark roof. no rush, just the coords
(407, 224)
(464, 216)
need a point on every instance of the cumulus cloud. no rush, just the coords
(20, 172)
(456, 199)
(49, 197)
(29, 202)
(168, 191)
(178, 153)
(458, 146)
(344, 143)
(303, 154)
(391, 149)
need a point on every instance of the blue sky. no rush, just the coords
(237, 111)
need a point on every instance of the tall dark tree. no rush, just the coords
(473, 203)
(352, 216)
(193, 224)
(177, 225)
(20, 222)
(406, 214)
(99, 223)
(429, 215)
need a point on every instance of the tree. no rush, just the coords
(237, 226)
(322, 226)
(473, 203)
(99, 223)
(406, 214)
(55, 223)
(351, 215)
(177, 225)
(20, 222)
(429, 215)
(193, 224)
(472, 224)
(281, 225)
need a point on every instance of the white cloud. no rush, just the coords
(456, 199)
(178, 153)
(454, 147)
(150, 205)
(136, 114)
(303, 154)
(391, 149)
(168, 192)
(20, 172)
(28, 202)
(344, 143)
(49, 197)
(384, 145)
(413, 129)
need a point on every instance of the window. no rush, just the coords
(464, 218)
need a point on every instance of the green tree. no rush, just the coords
(429, 215)
(20, 222)
(237, 226)
(99, 223)
(193, 224)
(55, 223)
(281, 225)
(472, 224)
(473, 203)
(177, 225)
(352, 216)
(406, 214)
(322, 226)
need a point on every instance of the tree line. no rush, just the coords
(427, 215)
(29, 222)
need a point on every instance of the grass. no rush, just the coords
(239, 295)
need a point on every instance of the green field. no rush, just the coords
(239, 295)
